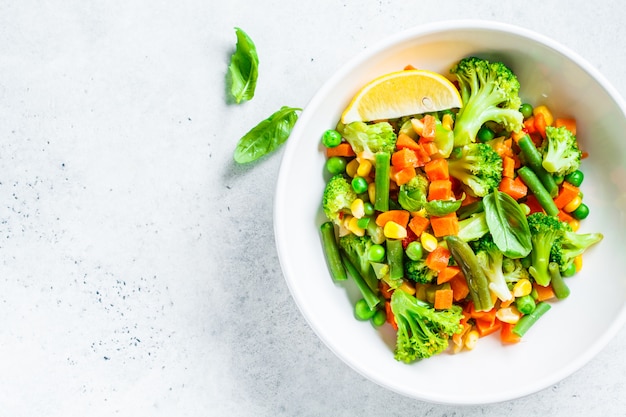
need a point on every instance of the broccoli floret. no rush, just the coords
(560, 152)
(479, 167)
(413, 195)
(474, 227)
(356, 250)
(573, 244)
(369, 138)
(514, 270)
(490, 260)
(422, 330)
(490, 92)
(337, 198)
(546, 232)
(418, 271)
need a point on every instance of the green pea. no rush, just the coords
(379, 318)
(331, 138)
(485, 134)
(368, 208)
(414, 250)
(525, 304)
(336, 165)
(526, 110)
(575, 178)
(362, 311)
(376, 253)
(581, 212)
(359, 185)
(570, 271)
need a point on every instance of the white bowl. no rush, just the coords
(575, 329)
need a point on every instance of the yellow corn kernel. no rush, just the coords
(371, 191)
(471, 339)
(418, 126)
(421, 213)
(578, 263)
(574, 224)
(428, 241)
(573, 205)
(393, 230)
(508, 315)
(352, 167)
(357, 208)
(522, 287)
(407, 287)
(353, 226)
(447, 121)
(364, 169)
(547, 114)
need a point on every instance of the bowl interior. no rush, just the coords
(575, 329)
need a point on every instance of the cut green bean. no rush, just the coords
(536, 187)
(395, 255)
(476, 279)
(331, 252)
(382, 167)
(371, 298)
(560, 288)
(533, 159)
(526, 322)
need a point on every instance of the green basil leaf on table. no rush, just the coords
(507, 223)
(267, 136)
(244, 68)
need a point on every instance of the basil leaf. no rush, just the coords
(244, 68)
(267, 136)
(507, 224)
(442, 207)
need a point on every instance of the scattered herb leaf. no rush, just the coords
(244, 68)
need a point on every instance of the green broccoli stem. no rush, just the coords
(560, 288)
(537, 188)
(371, 298)
(331, 252)
(476, 279)
(395, 258)
(382, 168)
(534, 160)
(526, 322)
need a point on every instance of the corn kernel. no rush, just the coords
(447, 121)
(547, 114)
(574, 224)
(573, 205)
(352, 167)
(393, 230)
(353, 226)
(364, 169)
(578, 263)
(357, 208)
(428, 241)
(471, 339)
(522, 287)
(418, 126)
(371, 191)
(407, 287)
(508, 315)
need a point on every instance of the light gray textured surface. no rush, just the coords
(138, 273)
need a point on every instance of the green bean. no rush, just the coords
(476, 279)
(371, 298)
(560, 288)
(395, 255)
(534, 160)
(536, 187)
(526, 322)
(382, 167)
(331, 252)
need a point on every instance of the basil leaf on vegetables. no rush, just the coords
(507, 224)
(244, 68)
(267, 136)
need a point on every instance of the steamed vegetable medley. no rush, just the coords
(458, 223)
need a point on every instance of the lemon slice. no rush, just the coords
(402, 93)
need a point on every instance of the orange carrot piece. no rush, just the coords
(440, 190)
(343, 149)
(399, 216)
(568, 122)
(486, 327)
(459, 286)
(540, 124)
(469, 199)
(404, 158)
(506, 334)
(390, 317)
(430, 148)
(513, 187)
(409, 67)
(533, 204)
(443, 299)
(438, 259)
(508, 166)
(428, 132)
(544, 293)
(402, 176)
(565, 217)
(404, 141)
(437, 169)
(418, 224)
(445, 225)
(447, 273)
(567, 193)
(385, 289)
(529, 125)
